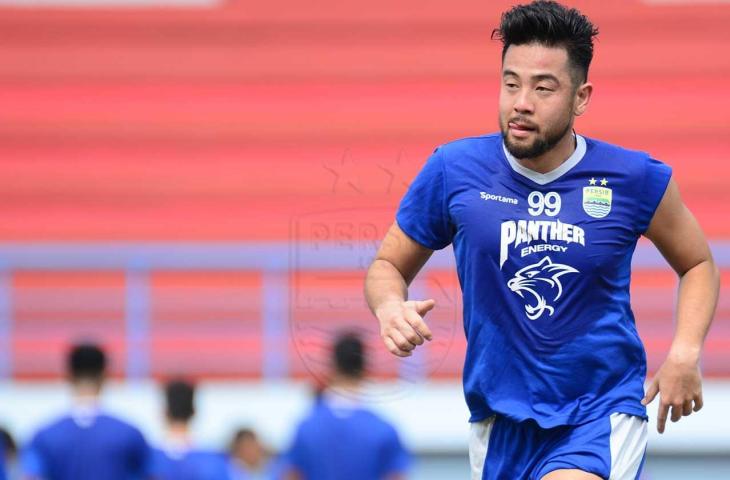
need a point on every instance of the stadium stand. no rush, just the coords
(283, 131)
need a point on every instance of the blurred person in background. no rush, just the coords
(178, 458)
(340, 437)
(251, 460)
(86, 444)
(8, 456)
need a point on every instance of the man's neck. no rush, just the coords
(344, 382)
(85, 407)
(177, 439)
(85, 392)
(552, 159)
(178, 429)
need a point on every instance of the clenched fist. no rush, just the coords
(401, 325)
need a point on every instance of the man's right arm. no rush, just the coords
(396, 264)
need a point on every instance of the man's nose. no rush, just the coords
(523, 102)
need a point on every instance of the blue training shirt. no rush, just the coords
(544, 263)
(91, 448)
(344, 441)
(274, 469)
(3, 474)
(190, 465)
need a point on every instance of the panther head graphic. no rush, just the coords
(545, 273)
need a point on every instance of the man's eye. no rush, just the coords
(544, 89)
(511, 85)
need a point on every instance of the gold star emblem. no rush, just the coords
(592, 181)
(604, 182)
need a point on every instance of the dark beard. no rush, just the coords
(538, 147)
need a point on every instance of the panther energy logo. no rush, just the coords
(539, 279)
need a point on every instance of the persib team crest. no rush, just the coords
(597, 200)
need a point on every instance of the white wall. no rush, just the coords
(431, 417)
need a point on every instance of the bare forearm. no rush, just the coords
(697, 299)
(384, 283)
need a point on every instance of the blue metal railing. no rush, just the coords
(274, 260)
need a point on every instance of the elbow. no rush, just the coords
(716, 275)
(713, 271)
(710, 271)
(708, 267)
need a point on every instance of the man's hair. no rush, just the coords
(349, 355)
(550, 24)
(180, 399)
(86, 361)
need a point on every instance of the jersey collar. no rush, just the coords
(544, 178)
(84, 412)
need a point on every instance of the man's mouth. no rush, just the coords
(521, 127)
(521, 130)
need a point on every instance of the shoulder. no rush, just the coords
(208, 454)
(468, 145)
(115, 422)
(457, 159)
(637, 171)
(57, 427)
(159, 454)
(618, 156)
(159, 458)
(206, 457)
(117, 425)
(313, 419)
(377, 424)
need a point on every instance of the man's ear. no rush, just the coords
(582, 98)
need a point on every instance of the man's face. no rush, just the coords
(537, 99)
(250, 451)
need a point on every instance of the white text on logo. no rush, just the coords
(515, 233)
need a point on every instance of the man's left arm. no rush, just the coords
(678, 236)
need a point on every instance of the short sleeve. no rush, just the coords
(157, 464)
(655, 181)
(396, 458)
(296, 455)
(423, 213)
(143, 461)
(31, 460)
(2, 459)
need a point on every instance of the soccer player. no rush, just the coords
(179, 459)
(341, 438)
(543, 223)
(250, 460)
(87, 444)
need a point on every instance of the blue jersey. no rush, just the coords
(190, 465)
(274, 469)
(3, 474)
(544, 266)
(349, 442)
(87, 449)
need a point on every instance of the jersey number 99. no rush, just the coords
(539, 204)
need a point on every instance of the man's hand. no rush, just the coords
(679, 384)
(401, 325)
